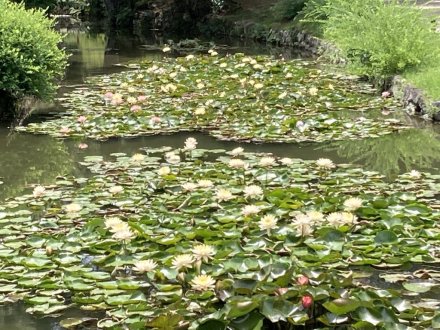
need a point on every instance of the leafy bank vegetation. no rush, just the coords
(30, 60)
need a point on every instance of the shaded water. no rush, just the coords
(30, 159)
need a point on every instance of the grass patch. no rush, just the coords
(427, 79)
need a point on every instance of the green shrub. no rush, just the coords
(379, 39)
(287, 9)
(30, 60)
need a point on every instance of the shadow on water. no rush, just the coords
(30, 159)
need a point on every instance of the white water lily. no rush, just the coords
(189, 57)
(238, 163)
(253, 191)
(72, 208)
(315, 216)
(223, 195)
(341, 218)
(250, 210)
(286, 161)
(189, 186)
(352, 204)
(144, 266)
(258, 86)
(112, 221)
(200, 111)
(203, 252)
(237, 151)
(131, 100)
(205, 183)
(203, 283)
(116, 190)
(164, 170)
(172, 158)
(166, 49)
(115, 226)
(267, 161)
(301, 219)
(190, 143)
(39, 191)
(313, 91)
(124, 235)
(183, 261)
(268, 222)
(414, 174)
(325, 163)
(137, 158)
(304, 229)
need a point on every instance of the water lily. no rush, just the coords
(386, 94)
(307, 301)
(341, 218)
(302, 280)
(253, 191)
(286, 161)
(113, 222)
(141, 98)
(117, 99)
(258, 86)
(268, 222)
(315, 217)
(83, 146)
(137, 158)
(414, 174)
(325, 163)
(183, 261)
(237, 163)
(304, 229)
(190, 143)
(64, 130)
(250, 210)
(145, 266)
(214, 53)
(205, 183)
(189, 57)
(237, 151)
(82, 119)
(164, 170)
(223, 65)
(116, 190)
(223, 195)
(313, 91)
(135, 108)
(166, 49)
(189, 186)
(267, 161)
(73, 208)
(172, 158)
(203, 252)
(39, 191)
(203, 283)
(124, 235)
(352, 204)
(199, 111)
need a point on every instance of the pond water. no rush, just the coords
(30, 159)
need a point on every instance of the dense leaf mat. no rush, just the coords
(233, 97)
(243, 240)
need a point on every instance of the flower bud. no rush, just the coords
(307, 301)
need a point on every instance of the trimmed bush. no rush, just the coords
(30, 60)
(379, 39)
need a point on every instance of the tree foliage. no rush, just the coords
(30, 60)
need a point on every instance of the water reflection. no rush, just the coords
(29, 160)
(393, 154)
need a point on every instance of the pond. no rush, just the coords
(39, 159)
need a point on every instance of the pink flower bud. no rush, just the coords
(303, 280)
(307, 301)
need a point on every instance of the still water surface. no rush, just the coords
(30, 159)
